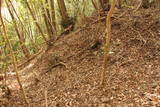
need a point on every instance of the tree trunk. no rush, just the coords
(20, 36)
(104, 4)
(94, 4)
(47, 19)
(66, 22)
(156, 3)
(53, 17)
(63, 11)
(7, 41)
(145, 4)
(36, 23)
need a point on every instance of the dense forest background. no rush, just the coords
(31, 24)
(30, 29)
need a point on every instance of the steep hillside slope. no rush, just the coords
(69, 72)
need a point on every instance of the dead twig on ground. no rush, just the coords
(46, 100)
(139, 34)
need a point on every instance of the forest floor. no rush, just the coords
(68, 74)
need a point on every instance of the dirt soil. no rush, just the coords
(69, 73)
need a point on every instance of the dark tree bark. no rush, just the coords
(67, 22)
(145, 4)
(105, 5)
(63, 11)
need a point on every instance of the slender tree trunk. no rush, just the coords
(107, 44)
(63, 11)
(21, 37)
(18, 17)
(94, 4)
(47, 19)
(53, 17)
(5, 36)
(23, 27)
(36, 23)
(156, 3)
(47, 9)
